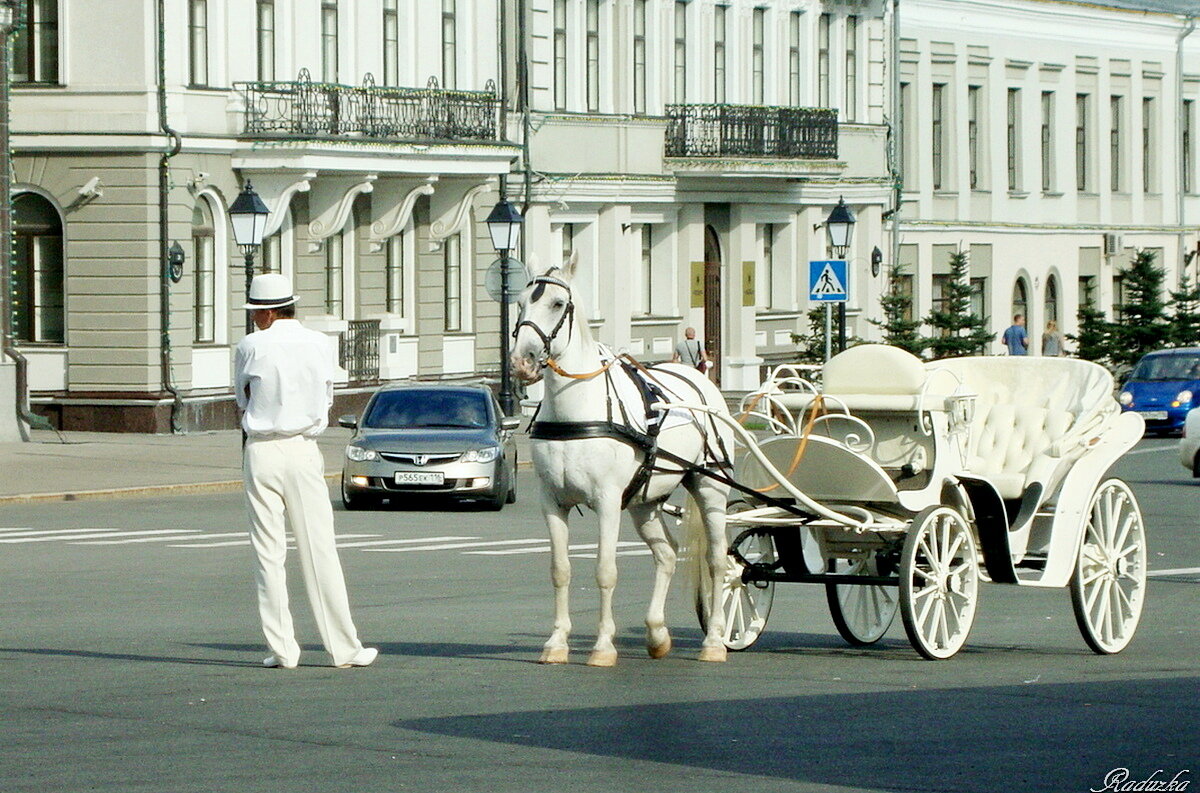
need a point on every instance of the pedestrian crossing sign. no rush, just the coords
(828, 281)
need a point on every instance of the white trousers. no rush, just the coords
(285, 487)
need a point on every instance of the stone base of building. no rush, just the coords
(10, 427)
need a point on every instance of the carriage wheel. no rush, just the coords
(862, 613)
(1109, 584)
(939, 582)
(745, 606)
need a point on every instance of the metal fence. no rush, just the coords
(358, 350)
(751, 131)
(303, 108)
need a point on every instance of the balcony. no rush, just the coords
(751, 131)
(303, 109)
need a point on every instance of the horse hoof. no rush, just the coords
(660, 650)
(714, 654)
(603, 658)
(553, 655)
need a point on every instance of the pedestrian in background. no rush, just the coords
(283, 381)
(690, 351)
(1052, 340)
(1016, 339)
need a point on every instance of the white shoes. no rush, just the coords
(273, 662)
(364, 657)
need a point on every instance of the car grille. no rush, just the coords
(420, 459)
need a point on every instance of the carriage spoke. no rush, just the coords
(930, 556)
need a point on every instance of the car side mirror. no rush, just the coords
(349, 421)
(510, 423)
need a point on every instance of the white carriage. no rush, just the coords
(902, 485)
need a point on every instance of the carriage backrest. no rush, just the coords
(873, 369)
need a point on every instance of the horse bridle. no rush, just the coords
(568, 315)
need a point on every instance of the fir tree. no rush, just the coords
(1142, 326)
(898, 331)
(1185, 317)
(1094, 340)
(957, 331)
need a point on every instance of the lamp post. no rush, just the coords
(248, 215)
(839, 228)
(504, 225)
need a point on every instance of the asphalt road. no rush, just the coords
(129, 661)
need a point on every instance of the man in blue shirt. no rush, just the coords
(1015, 338)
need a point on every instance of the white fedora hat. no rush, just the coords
(270, 290)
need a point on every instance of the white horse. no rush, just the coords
(587, 467)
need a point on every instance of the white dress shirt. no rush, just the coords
(283, 380)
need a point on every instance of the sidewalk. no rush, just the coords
(112, 465)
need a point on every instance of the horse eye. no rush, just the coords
(559, 304)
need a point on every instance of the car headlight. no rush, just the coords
(1184, 397)
(1125, 398)
(481, 455)
(360, 455)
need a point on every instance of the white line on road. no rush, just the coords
(450, 546)
(245, 540)
(1152, 449)
(33, 533)
(409, 541)
(104, 533)
(545, 548)
(1175, 571)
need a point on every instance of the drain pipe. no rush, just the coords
(164, 179)
(1188, 27)
(895, 155)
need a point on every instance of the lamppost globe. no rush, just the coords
(839, 227)
(248, 214)
(504, 226)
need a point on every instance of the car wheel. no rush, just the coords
(1196, 466)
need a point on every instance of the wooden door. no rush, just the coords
(712, 301)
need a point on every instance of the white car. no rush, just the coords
(1190, 445)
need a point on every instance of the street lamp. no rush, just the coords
(248, 215)
(504, 224)
(839, 228)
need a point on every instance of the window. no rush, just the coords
(1013, 138)
(639, 56)
(647, 260)
(902, 285)
(204, 265)
(593, 55)
(266, 40)
(823, 61)
(452, 277)
(719, 33)
(1081, 143)
(850, 106)
(758, 56)
(1047, 141)
(198, 42)
(329, 41)
(38, 276)
(391, 43)
(1116, 106)
(568, 242)
(1051, 309)
(973, 135)
(765, 279)
(1185, 160)
(979, 297)
(449, 45)
(560, 54)
(333, 275)
(35, 42)
(906, 122)
(680, 51)
(1020, 300)
(937, 133)
(1148, 180)
(394, 269)
(794, 58)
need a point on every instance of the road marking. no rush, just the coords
(450, 546)
(1151, 449)
(545, 548)
(103, 533)
(409, 541)
(245, 540)
(159, 539)
(632, 552)
(37, 532)
(1175, 571)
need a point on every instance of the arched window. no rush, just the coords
(205, 267)
(39, 277)
(1020, 300)
(1051, 299)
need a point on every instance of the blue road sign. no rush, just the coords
(828, 281)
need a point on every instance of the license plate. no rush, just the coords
(420, 478)
(1155, 415)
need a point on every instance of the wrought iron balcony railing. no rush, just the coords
(358, 350)
(305, 109)
(751, 131)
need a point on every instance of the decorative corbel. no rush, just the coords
(439, 230)
(279, 211)
(382, 230)
(319, 231)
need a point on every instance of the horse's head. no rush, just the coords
(546, 324)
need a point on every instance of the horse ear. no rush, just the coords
(568, 269)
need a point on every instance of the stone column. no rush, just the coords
(11, 429)
(741, 365)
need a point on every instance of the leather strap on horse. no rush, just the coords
(579, 430)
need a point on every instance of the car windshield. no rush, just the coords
(420, 408)
(1167, 367)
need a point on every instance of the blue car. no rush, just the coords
(1163, 387)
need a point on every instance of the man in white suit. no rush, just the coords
(283, 379)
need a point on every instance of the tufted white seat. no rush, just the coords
(1031, 415)
(869, 377)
